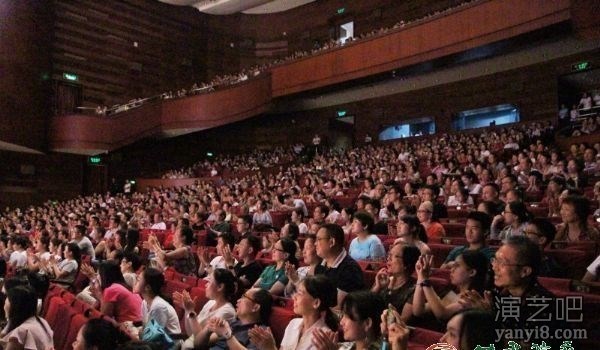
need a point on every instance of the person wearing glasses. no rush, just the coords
(516, 268)
(425, 214)
(542, 232)
(395, 282)
(273, 277)
(343, 271)
(514, 218)
(253, 310)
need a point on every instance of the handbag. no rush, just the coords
(155, 333)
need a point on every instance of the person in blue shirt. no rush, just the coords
(365, 246)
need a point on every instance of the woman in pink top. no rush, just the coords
(116, 299)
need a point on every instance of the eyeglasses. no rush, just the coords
(391, 256)
(245, 295)
(279, 249)
(323, 238)
(502, 262)
(423, 211)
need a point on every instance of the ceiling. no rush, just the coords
(228, 7)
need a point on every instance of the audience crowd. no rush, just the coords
(225, 80)
(349, 245)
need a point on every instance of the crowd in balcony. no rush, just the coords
(584, 116)
(356, 244)
(220, 81)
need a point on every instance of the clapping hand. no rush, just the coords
(423, 267)
(184, 300)
(324, 339)
(203, 255)
(291, 272)
(471, 299)
(219, 326)
(262, 337)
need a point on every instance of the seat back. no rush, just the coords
(278, 321)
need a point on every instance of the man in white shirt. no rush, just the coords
(84, 243)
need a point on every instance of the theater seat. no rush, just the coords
(53, 310)
(440, 252)
(574, 261)
(278, 321)
(425, 337)
(61, 326)
(454, 229)
(76, 323)
(555, 284)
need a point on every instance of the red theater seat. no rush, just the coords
(454, 229)
(574, 261)
(76, 323)
(555, 284)
(278, 321)
(440, 252)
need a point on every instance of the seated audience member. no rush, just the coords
(469, 272)
(592, 273)
(247, 270)
(24, 330)
(84, 243)
(460, 199)
(574, 212)
(542, 232)
(292, 232)
(312, 264)
(218, 228)
(243, 225)
(488, 207)
(273, 278)
(365, 246)
(425, 214)
(319, 214)
(512, 222)
(99, 334)
(297, 217)
(42, 255)
(466, 330)
(477, 229)
(181, 258)
(360, 325)
(225, 243)
(430, 193)
(491, 193)
(130, 263)
(516, 267)
(18, 257)
(346, 217)
(343, 271)
(65, 271)
(253, 310)
(372, 207)
(410, 231)
(114, 295)
(262, 217)
(220, 290)
(395, 282)
(154, 307)
(313, 302)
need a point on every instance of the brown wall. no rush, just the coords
(55, 176)
(95, 40)
(25, 35)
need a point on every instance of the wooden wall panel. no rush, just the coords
(25, 36)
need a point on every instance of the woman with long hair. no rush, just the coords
(469, 272)
(66, 270)
(410, 231)
(114, 295)
(99, 334)
(25, 330)
(514, 218)
(221, 290)
(360, 324)
(273, 278)
(394, 282)
(154, 306)
(313, 301)
(181, 258)
(312, 263)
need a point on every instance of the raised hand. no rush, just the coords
(471, 299)
(262, 337)
(184, 300)
(291, 272)
(324, 339)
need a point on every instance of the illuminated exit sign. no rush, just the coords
(70, 77)
(341, 10)
(581, 66)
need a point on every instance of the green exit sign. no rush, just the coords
(95, 160)
(341, 114)
(70, 76)
(581, 66)
(341, 10)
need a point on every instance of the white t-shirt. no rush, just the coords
(593, 268)
(586, 102)
(159, 226)
(163, 313)
(299, 203)
(19, 259)
(292, 339)
(226, 312)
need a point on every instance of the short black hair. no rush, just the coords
(484, 220)
(336, 232)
